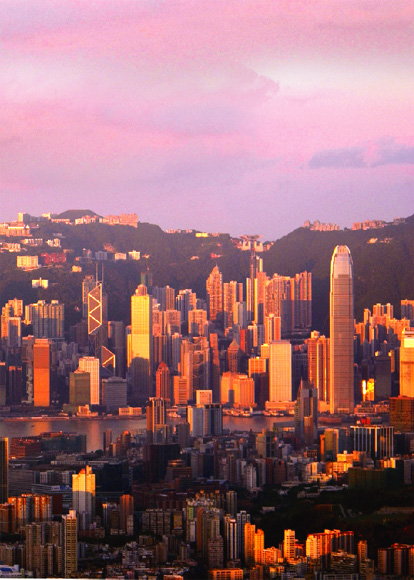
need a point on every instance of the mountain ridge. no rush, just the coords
(383, 264)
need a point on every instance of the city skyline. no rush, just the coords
(148, 107)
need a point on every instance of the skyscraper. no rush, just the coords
(318, 364)
(214, 287)
(46, 319)
(280, 371)
(90, 364)
(41, 372)
(342, 332)
(306, 413)
(70, 543)
(289, 541)
(141, 344)
(83, 495)
(4, 469)
(407, 363)
(156, 420)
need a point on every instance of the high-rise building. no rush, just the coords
(272, 328)
(402, 413)
(234, 357)
(232, 550)
(126, 514)
(258, 372)
(195, 364)
(163, 382)
(70, 543)
(232, 293)
(214, 287)
(318, 364)
(116, 343)
(180, 386)
(242, 518)
(407, 309)
(141, 344)
(185, 301)
(259, 546)
(341, 332)
(41, 372)
(197, 322)
(47, 319)
(215, 366)
(156, 420)
(204, 397)
(88, 284)
(249, 541)
(114, 393)
(79, 388)
(280, 371)
(83, 495)
(376, 440)
(4, 469)
(195, 418)
(213, 419)
(289, 541)
(407, 363)
(306, 413)
(90, 364)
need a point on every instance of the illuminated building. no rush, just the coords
(195, 364)
(163, 383)
(47, 319)
(341, 332)
(289, 542)
(70, 544)
(259, 546)
(126, 514)
(90, 364)
(197, 322)
(41, 372)
(280, 371)
(232, 293)
(318, 364)
(180, 387)
(407, 363)
(141, 344)
(249, 543)
(214, 287)
(79, 388)
(204, 397)
(402, 413)
(83, 495)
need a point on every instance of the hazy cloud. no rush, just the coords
(374, 154)
(392, 153)
(345, 157)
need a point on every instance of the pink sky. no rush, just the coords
(236, 116)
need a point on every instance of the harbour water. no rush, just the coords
(94, 428)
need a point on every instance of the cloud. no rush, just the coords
(373, 154)
(344, 157)
(391, 153)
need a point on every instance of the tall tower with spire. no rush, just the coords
(342, 332)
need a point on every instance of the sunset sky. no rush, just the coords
(220, 115)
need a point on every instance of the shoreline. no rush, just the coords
(57, 418)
